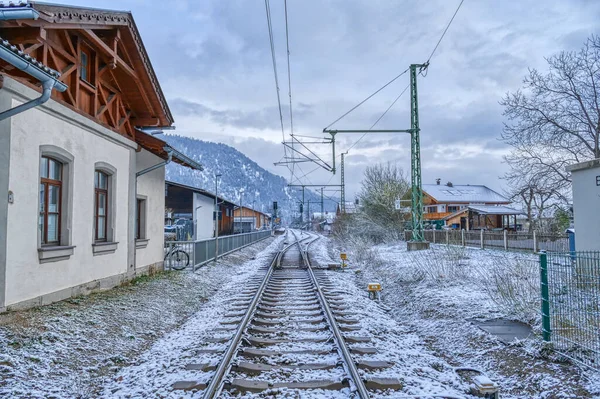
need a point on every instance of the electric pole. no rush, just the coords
(343, 184)
(415, 169)
(308, 215)
(322, 211)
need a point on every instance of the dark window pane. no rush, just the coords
(101, 204)
(52, 228)
(44, 167)
(102, 181)
(54, 169)
(41, 225)
(84, 64)
(101, 228)
(42, 197)
(53, 198)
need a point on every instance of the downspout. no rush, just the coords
(11, 54)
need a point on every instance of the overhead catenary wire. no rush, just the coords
(444, 33)
(367, 99)
(287, 42)
(270, 28)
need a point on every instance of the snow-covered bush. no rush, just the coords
(513, 283)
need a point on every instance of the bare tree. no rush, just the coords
(537, 198)
(554, 120)
(382, 185)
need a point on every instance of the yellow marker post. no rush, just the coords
(374, 289)
(343, 257)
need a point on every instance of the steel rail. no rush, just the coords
(215, 386)
(361, 389)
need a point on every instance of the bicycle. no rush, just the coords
(177, 258)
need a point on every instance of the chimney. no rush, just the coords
(449, 184)
(438, 181)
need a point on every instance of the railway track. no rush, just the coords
(292, 332)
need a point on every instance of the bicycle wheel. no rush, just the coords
(178, 259)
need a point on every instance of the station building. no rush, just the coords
(81, 183)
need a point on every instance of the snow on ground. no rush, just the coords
(70, 349)
(435, 294)
(421, 371)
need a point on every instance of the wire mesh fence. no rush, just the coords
(570, 286)
(203, 251)
(533, 241)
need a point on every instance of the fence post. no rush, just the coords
(433, 235)
(462, 237)
(534, 242)
(447, 237)
(545, 296)
(506, 240)
(481, 239)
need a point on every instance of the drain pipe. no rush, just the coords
(11, 54)
(158, 165)
(47, 76)
(12, 13)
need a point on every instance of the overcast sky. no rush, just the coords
(213, 60)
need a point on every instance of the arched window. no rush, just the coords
(51, 177)
(100, 206)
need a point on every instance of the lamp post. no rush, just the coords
(217, 177)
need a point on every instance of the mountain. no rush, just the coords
(238, 174)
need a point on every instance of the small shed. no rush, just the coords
(484, 217)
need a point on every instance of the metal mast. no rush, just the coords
(415, 158)
(343, 184)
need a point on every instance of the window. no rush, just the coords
(51, 172)
(431, 209)
(85, 64)
(140, 219)
(453, 208)
(100, 206)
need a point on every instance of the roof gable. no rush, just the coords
(464, 194)
(121, 90)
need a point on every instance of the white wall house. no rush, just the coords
(586, 200)
(81, 192)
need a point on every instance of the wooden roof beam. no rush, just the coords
(25, 35)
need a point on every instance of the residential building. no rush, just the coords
(84, 183)
(246, 220)
(467, 207)
(198, 206)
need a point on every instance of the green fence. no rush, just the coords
(570, 288)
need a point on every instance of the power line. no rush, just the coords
(270, 27)
(381, 117)
(287, 42)
(444, 33)
(366, 99)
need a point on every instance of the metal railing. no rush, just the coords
(204, 251)
(533, 242)
(570, 287)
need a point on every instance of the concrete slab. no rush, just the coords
(417, 245)
(506, 330)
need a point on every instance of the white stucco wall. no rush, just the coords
(88, 143)
(151, 186)
(203, 216)
(586, 201)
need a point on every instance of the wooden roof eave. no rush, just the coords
(55, 16)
